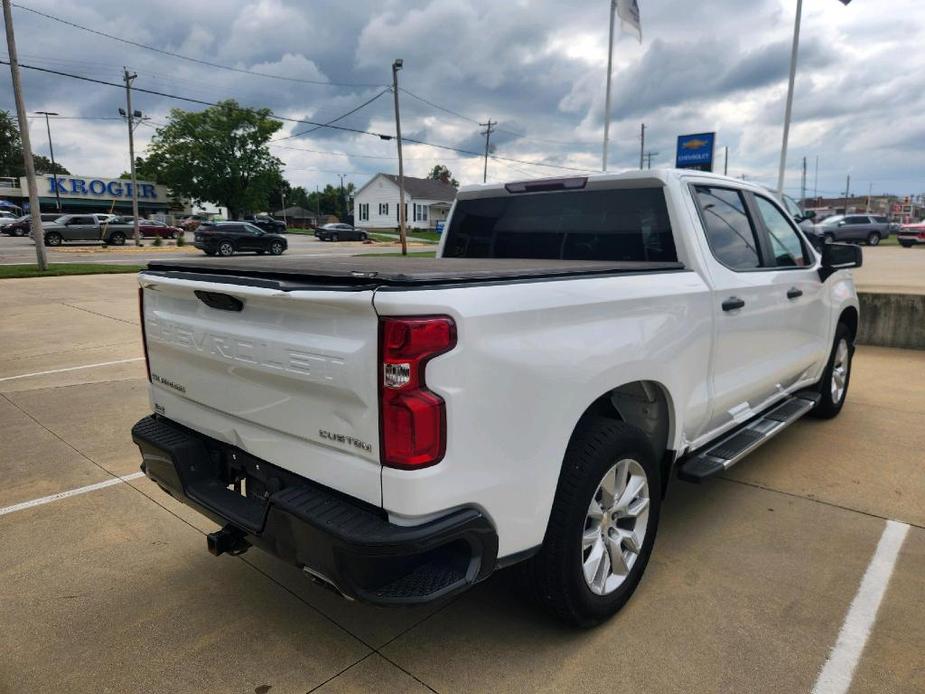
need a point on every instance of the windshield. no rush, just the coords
(833, 220)
(629, 224)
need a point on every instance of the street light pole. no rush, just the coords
(38, 235)
(130, 117)
(613, 12)
(793, 73)
(396, 66)
(51, 151)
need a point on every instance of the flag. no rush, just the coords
(628, 11)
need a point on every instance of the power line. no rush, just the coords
(357, 131)
(331, 122)
(189, 58)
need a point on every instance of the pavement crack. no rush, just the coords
(101, 315)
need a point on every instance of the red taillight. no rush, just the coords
(144, 336)
(412, 418)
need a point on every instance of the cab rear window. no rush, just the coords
(629, 224)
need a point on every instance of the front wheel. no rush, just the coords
(873, 239)
(17, 232)
(906, 244)
(53, 239)
(834, 384)
(333, 237)
(117, 239)
(276, 248)
(602, 525)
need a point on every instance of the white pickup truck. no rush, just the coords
(402, 427)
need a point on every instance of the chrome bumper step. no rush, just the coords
(730, 449)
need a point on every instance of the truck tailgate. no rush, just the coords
(288, 376)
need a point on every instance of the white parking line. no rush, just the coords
(71, 368)
(838, 671)
(71, 492)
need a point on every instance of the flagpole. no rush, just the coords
(789, 109)
(613, 10)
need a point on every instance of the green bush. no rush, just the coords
(158, 241)
(181, 239)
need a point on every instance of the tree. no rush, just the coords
(443, 174)
(144, 171)
(218, 155)
(11, 163)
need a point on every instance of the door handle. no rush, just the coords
(794, 293)
(732, 303)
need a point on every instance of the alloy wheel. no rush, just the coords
(615, 526)
(840, 366)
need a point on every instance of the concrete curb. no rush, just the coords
(892, 320)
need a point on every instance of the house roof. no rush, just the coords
(294, 212)
(424, 188)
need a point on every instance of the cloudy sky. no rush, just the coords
(537, 67)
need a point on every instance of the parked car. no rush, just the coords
(340, 232)
(267, 223)
(869, 229)
(402, 428)
(7, 216)
(22, 225)
(910, 235)
(86, 227)
(228, 238)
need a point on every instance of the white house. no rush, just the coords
(427, 202)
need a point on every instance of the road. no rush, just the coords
(15, 250)
(756, 581)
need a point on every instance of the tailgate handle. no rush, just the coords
(223, 302)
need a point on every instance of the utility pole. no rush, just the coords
(642, 146)
(35, 210)
(816, 179)
(317, 207)
(282, 199)
(343, 194)
(726, 161)
(613, 11)
(396, 66)
(130, 116)
(487, 133)
(847, 192)
(870, 190)
(51, 151)
(649, 156)
(803, 185)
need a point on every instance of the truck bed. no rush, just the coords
(359, 272)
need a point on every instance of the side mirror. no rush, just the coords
(809, 214)
(842, 223)
(839, 256)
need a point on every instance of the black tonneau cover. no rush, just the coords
(359, 272)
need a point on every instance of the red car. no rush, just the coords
(151, 227)
(911, 234)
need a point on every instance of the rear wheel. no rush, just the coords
(873, 239)
(364, 236)
(602, 525)
(333, 237)
(17, 232)
(834, 384)
(53, 238)
(829, 238)
(225, 249)
(117, 238)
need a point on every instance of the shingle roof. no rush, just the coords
(425, 188)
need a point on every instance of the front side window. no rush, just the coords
(786, 245)
(728, 227)
(614, 224)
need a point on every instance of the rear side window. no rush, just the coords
(857, 220)
(628, 224)
(881, 220)
(728, 227)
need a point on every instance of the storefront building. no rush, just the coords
(94, 194)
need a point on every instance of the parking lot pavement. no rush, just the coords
(892, 269)
(748, 588)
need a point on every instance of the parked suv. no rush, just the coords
(267, 223)
(869, 229)
(228, 238)
(340, 232)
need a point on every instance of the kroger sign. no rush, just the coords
(77, 187)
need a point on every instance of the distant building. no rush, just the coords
(299, 217)
(427, 202)
(859, 204)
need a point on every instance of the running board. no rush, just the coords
(733, 447)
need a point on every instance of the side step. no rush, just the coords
(730, 449)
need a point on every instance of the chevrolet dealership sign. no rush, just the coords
(93, 188)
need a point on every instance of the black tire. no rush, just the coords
(554, 577)
(276, 248)
(333, 237)
(225, 249)
(17, 232)
(117, 238)
(873, 239)
(53, 238)
(906, 244)
(829, 406)
(173, 234)
(364, 236)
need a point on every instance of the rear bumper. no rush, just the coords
(913, 239)
(339, 540)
